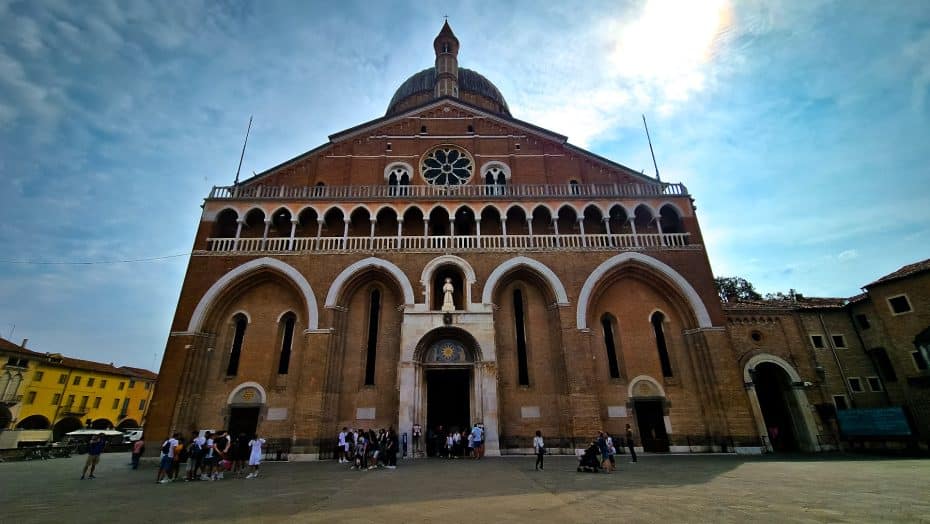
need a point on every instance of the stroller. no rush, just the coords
(590, 461)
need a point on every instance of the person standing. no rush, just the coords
(198, 450)
(255, 455)
(223, 443)
(611, 451)
(167, 459)
(540, 448)
(476, 441)
(342, 447)
(602, 449)
(629, 442)
(94, 449)
(138, 448)
(209, 457)
(416, 438)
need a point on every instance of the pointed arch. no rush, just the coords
(547, 274)
(335, 290)
(240, 387)
(674, 277)
(766, 357)
(265, 263)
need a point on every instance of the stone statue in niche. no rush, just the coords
(448, 306)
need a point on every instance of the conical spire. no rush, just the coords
(446, 46)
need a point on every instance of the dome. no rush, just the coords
(473, 88)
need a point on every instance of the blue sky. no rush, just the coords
(800, 128)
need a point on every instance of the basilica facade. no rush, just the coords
(582, 297)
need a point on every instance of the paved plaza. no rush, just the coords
(708, 488)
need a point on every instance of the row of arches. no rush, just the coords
(442, 221)
(339, 283)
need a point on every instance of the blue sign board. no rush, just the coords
(873, 422)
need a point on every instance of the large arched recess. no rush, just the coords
(649, 318)
(260, 298)
(543, 272)
(343, 280)
(367, 312)
(659, 268)
(531, 398)
(232, 279)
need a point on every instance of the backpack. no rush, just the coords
(165, 447)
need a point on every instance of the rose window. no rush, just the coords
(447, 166)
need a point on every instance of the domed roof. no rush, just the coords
(469, 82)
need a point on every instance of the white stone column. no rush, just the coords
(584, 239)
(504, 231)
(451, 226)
(265, 233)
(407, 410)
(290, 242)
(486, 387)
(478, 226)
(555, 229)
(529, 224)
(425, 226)
(319, 227)
(632, 221)
(345, 232)
(238, 233)
(610, 238)
(373, 221)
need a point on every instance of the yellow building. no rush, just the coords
(55, 394)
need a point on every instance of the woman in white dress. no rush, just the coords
(255, 455)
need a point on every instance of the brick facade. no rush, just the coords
(579, 237)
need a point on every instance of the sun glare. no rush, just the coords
(669, 44)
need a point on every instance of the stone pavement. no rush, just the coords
(660, 488)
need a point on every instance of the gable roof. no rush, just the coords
(903, 272)
(508, 120)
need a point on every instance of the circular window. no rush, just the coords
(756, 336)
(447, 166)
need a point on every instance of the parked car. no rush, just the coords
(131, 435)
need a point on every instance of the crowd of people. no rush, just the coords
(209, 456)
(455, 443)
(367, 450)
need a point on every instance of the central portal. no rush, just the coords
(447, 400)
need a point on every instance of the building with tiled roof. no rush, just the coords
(45, 395)
(867, 351)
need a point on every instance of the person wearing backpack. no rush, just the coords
(196, 455)
(222, 443)
(167, 459)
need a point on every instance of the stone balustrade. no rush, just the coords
(595, 242)
(472, 191)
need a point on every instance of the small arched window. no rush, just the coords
(657, 320)
(495, 177)
(240, 323)
(287, 339)
(610, 345)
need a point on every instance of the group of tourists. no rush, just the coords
(601, 451)
(455, 443)
(367, 450)
(208, 455)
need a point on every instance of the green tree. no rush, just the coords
(734, 289)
